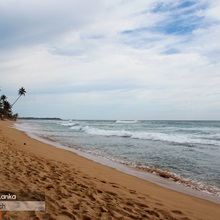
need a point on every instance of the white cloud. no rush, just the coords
(73, 55)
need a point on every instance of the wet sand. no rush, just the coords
(78, 188)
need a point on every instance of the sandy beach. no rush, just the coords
(77, 188)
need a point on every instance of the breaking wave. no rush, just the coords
(153, 136)
(126, 121)
(69, 124)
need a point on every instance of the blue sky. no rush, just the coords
(112, 59)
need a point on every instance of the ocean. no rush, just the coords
(185, 152)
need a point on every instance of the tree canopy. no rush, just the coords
(6, 107)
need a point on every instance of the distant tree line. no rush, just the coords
(6, 107)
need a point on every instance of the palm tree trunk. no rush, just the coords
(15, 101)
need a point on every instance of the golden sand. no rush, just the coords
(77, 188)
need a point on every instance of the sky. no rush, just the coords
(112, 59)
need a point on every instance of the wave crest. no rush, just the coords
(151, 136)
(96, 131)
(126, 121)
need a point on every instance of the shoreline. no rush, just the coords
(82, 188)
(134, 171)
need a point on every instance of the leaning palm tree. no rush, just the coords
(21, 92)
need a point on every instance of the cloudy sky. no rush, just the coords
(112, 59)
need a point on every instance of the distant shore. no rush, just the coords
(77, 188)
(37, 118)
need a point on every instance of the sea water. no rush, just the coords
(187, 152)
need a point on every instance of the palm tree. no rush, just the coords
(7, 108)
(21, 92)
(3, 98)
(1, 104)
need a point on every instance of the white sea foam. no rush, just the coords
(76, 128)
(154, 136)
(126, 121)
(97, 131)
(28, 128)
(68, 124)
(134, 135)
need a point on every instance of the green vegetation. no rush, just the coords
(21, 92)
(6, 107)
